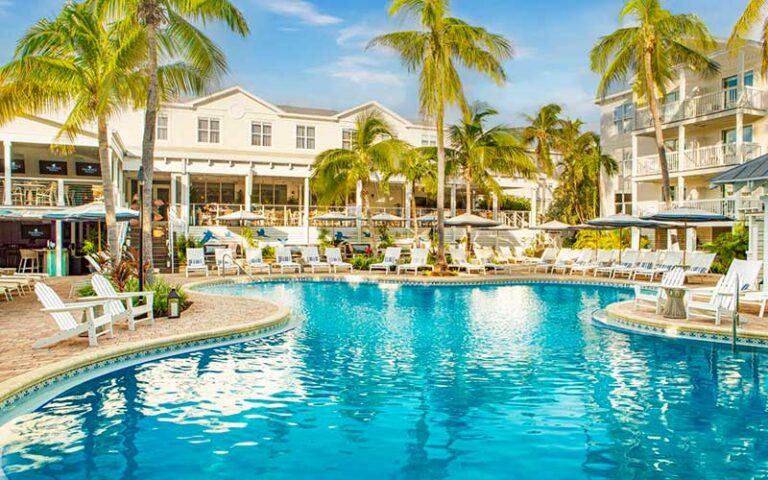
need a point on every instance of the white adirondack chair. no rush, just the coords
(333, 257)
(741, 276)
(254, 260)
(121, 305)
(62, 314)
(672, 278)
(196, 261)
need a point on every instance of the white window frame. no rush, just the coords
(167, 127)
(347, 131)
(209, 119)
(305, 141)
(429, 139)
(261, 136)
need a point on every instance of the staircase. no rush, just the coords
(159, 249)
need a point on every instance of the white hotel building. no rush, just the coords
(227, 151)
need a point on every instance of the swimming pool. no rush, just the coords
(388, 381)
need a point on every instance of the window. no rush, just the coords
(729, 136)
(622, 118)
(208, 130)
(162, 126)
(261, 134)
(672, 97)
(429, 140)
(305, 137)
(346, 138)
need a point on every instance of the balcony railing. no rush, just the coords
(45, 192)
(711, 156)
(705, 105)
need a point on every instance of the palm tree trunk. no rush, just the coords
(468, 186)
(369, 218)
(653, 104)
(414, 216)
(148, 142)
(441, 266)
(109, 192)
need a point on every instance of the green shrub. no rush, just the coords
(182, 244)
(247, 235)
(161, 288)
(361, 262)
(728, 246)
(268, 252)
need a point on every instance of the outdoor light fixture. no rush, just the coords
(174, 304)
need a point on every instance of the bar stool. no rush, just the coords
(28, 262)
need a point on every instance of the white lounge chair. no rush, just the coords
(225, 261)
(459, 261)
(284, 260)
(583, 258)
(391, 257)
(548, 257)
(68, 326)
(564, 257)
(6, 293)
(672, 278)
(504, 255)
(121, 306)
(254, 261)
(602, 259)
(312, 259)
(742, 274)
(333, 256)
(418, 261)
(485, 258)
(628, 262)
(700, 263)
(663, 264)
(196, 261)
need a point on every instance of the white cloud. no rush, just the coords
(5, 5)
(302, 10)
(360, 69)
(358, 35)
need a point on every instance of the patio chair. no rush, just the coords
(418, 261)
(29, 260)
(700, 263)
(312, 259)
(504, 255)
(459, 261)
(121, 306)
(254, 260)
(672, 278)
(485, 258)
(65, 321)
(333, 257)
(284, 260)
(548, 257)
(564, 257)
(742, 274)
(391, 258)
(583, 258)
(628, 262)
(602, 259)
(225, 261)
(663, 264)
(196, 261)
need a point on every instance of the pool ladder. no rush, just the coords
(237, 265)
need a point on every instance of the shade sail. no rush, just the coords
(470, 220)
(242, 215)
(688, 215)
(553, 226)
(335, 217)
(90, 212)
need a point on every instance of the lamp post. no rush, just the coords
(140, 179)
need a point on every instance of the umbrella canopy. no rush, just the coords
(553, 226)
(621, 220)
(470, 220)
(242, 215)
(94, 212)
(428, 218)
(386, 217)
(8, 214)
(500, 228)
(335, 217)
(688, 215)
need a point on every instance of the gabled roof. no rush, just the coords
(376, 105)
(195, 102)
(317, 112)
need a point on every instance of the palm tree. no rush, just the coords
(753, 13)
(79, 62)
(540, 134)
(652, 50)
(373, 151)
(433, 51)
(172, 36)
(417, 167)
(480, 153)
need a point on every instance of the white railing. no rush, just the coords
(703, 105)
(722, 206)
(515, 218)
(711, 156)
(751, 205)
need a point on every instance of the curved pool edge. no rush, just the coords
(623, 317)
(19, 389)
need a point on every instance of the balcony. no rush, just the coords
(45, 192)
(707, 105)
(712, 156)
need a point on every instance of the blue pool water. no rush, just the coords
(414, 382)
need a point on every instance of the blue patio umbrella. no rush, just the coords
(686, 216)
(90, 212)
(621, 221)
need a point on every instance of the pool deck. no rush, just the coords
(22, 323)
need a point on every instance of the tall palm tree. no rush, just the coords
(172, 36)
(481, 154)
(433, 51)
(79, 62)
(373, 151)
(652, 50)
(540, 134)
(754, 12)
(418, 167)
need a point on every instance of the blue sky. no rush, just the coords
(311, 52)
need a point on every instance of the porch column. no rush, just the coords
(635, 208)
(739, 137)
(635, 242)
(408, 197)
(359, 210)
(534, 215)
(58, 269)
(248, 191)
(752, 250)
(690, 239)
(8, 160)
(681, 160)
(680, 191)
(306, 209)
(185, 189)
(764, 199)
(453, 198)
(495, 200)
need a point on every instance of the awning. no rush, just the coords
(753, 174)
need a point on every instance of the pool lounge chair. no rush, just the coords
(285, 260)
(196, 261)
(700, 263)
(672, 278)
(602, 259)
(65, 321)
(548, 257)
(333, 257)
(391, 257)
(418, 261)
(564, 257)
(504, 255)
(459, 261)
(120, 305)
(254, 261)
(312, 260)
(663, 264)
(485, 258)
(629, 260)
(583, 258)
(225, 261)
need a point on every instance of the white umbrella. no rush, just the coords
(468, 221)
(242, 216)
(335, 217)
(386, 217)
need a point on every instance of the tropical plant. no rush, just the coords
(192, 61)
(753, 13)
(418, 167)
(652, 50)
(268, 252)
(339, 171)
(479, 154)
(184, 242)
(362, 262)
(433, 51)
(541, 133)
(727, 247)
(606, 240)
(248, 238)
(77, 61)
(509, 202)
